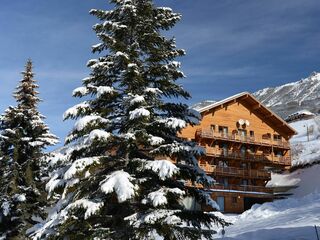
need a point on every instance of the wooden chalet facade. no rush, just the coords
(244, 141)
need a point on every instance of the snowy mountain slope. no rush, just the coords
(202, 104)
(292, 97)
(288, 98)
(306, 144)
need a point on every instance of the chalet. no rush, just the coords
(300, 115)
(244, 142)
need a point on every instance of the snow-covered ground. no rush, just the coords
(289, 219)
(293, 218)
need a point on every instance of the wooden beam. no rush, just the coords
(246, 96)
(256, 107)
(269, 116)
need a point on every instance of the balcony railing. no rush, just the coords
(267, 158)
(244, 188)
(237, 172)
(207, 133)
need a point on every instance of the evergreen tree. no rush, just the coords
(126, 172)
(24, 135)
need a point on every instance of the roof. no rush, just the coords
(300, 113)
(260, 108)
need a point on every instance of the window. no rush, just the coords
(244, 182)
(242, 132)
(251, 133)
(223, 130)
(223, 164)
(266, 136)
(225, 182)
(212, 128)
(234, 199)
(276, 137)
(278, 153)
(244, 166)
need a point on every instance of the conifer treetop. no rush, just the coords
(26, 93)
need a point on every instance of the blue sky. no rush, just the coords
(232, 46)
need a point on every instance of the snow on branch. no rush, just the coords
(209, 201)
(136, 99)
(90, 119)
(154, 141)
(5, 208)
(80, 91)
(159, 198)
(175, 148)
(153, 90)
(139, 112)
(90, 206)
(98, 134)
(160, 215)
(101, 90)
(174, 123)
(73, 111)
(79, 165)
(120, 183)
(164, 168)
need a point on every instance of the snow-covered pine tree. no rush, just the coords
(23, 137)
(126, 172)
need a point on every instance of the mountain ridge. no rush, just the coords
(287, 98)
(292, 97)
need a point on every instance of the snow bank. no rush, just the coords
(292, 217)
(281, 180)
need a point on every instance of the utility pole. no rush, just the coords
(315, 226)
(307, 131)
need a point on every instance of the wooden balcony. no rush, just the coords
(266, 158)
(235, 172)
(207, 133)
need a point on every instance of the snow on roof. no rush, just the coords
(218, 103)
(302, 112)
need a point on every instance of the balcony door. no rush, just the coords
(243, 151)
(242, 134)
(223, 131)
(220, 202)
(225, 149)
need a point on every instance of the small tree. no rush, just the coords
(126, 174)
(23, 138)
